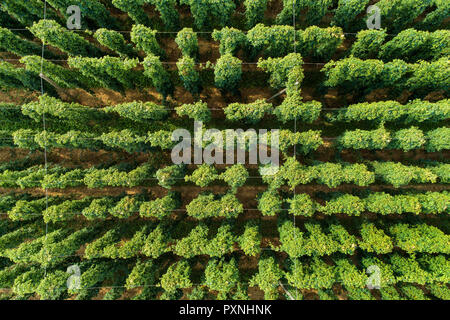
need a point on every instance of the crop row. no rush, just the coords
(207, 205)
(291, 173)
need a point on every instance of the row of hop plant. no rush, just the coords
(395, 14)
(309, 272)
(207, 205)
(317, 240)
(120, 74)
(75, 115)
(379, 139)
(291, 173)
(314, 239)
(302, 204)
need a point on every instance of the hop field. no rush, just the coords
(224, 150)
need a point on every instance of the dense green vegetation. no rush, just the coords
(92, 205)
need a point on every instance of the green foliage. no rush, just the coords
(374, 239)
(407, 269)
(230, 39)
(250, 113)
(412, 45)
(302, 205)
(293, 108)
(349, 275)
(133, 8)
(16, 237)
(315, 10)
(159, 208)
(221, 276)
(125, 140)
(197, 293)
(12, 77)
(274, 41)
(397, 14)
(390, 229)
(390, 293)
(203, 175)
(188, 74)
(145, 40)
(99, 208)
(9, 274)
(28, 282)
(392, 111)
(177, 277)
(27, 210)
(320, 43)
(405, 139)
(330, 174)
(281, 68)
(441, 170)
(108, 72)
(305, 141)
(313, 275)
(187, 41)
(398, 174)
(25, 13)
(143, 274)
(254, 11)
(53, 107)
(96, 248)
(204, 206)
(435, 18)
(95, 274)
(358, 294)
(198, 111)
(438, 140)
(420, 238)
(15, 44)
(169, 175)
(222, 243)
(50, 32)
(61, 76)
(139, 111)
(270, 203)
(317, 242)
(156, 243)
(33, 250)
(126, 207)
(413, 293)
(161, 139)
(250, 240)
(114, 41)
(65, 210)
(160, 78)
(440, 291)
(210, 12)
(268, 277)
(353, 73)
(235, 176)
(194, 243)
(430, 76)
(368, 44)
(228, 72)
(347, 12)
(127, 249)
(53, 286)
(345, 203)
(365, 139)
(408, 139)
(94, 10)
(169, 14)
